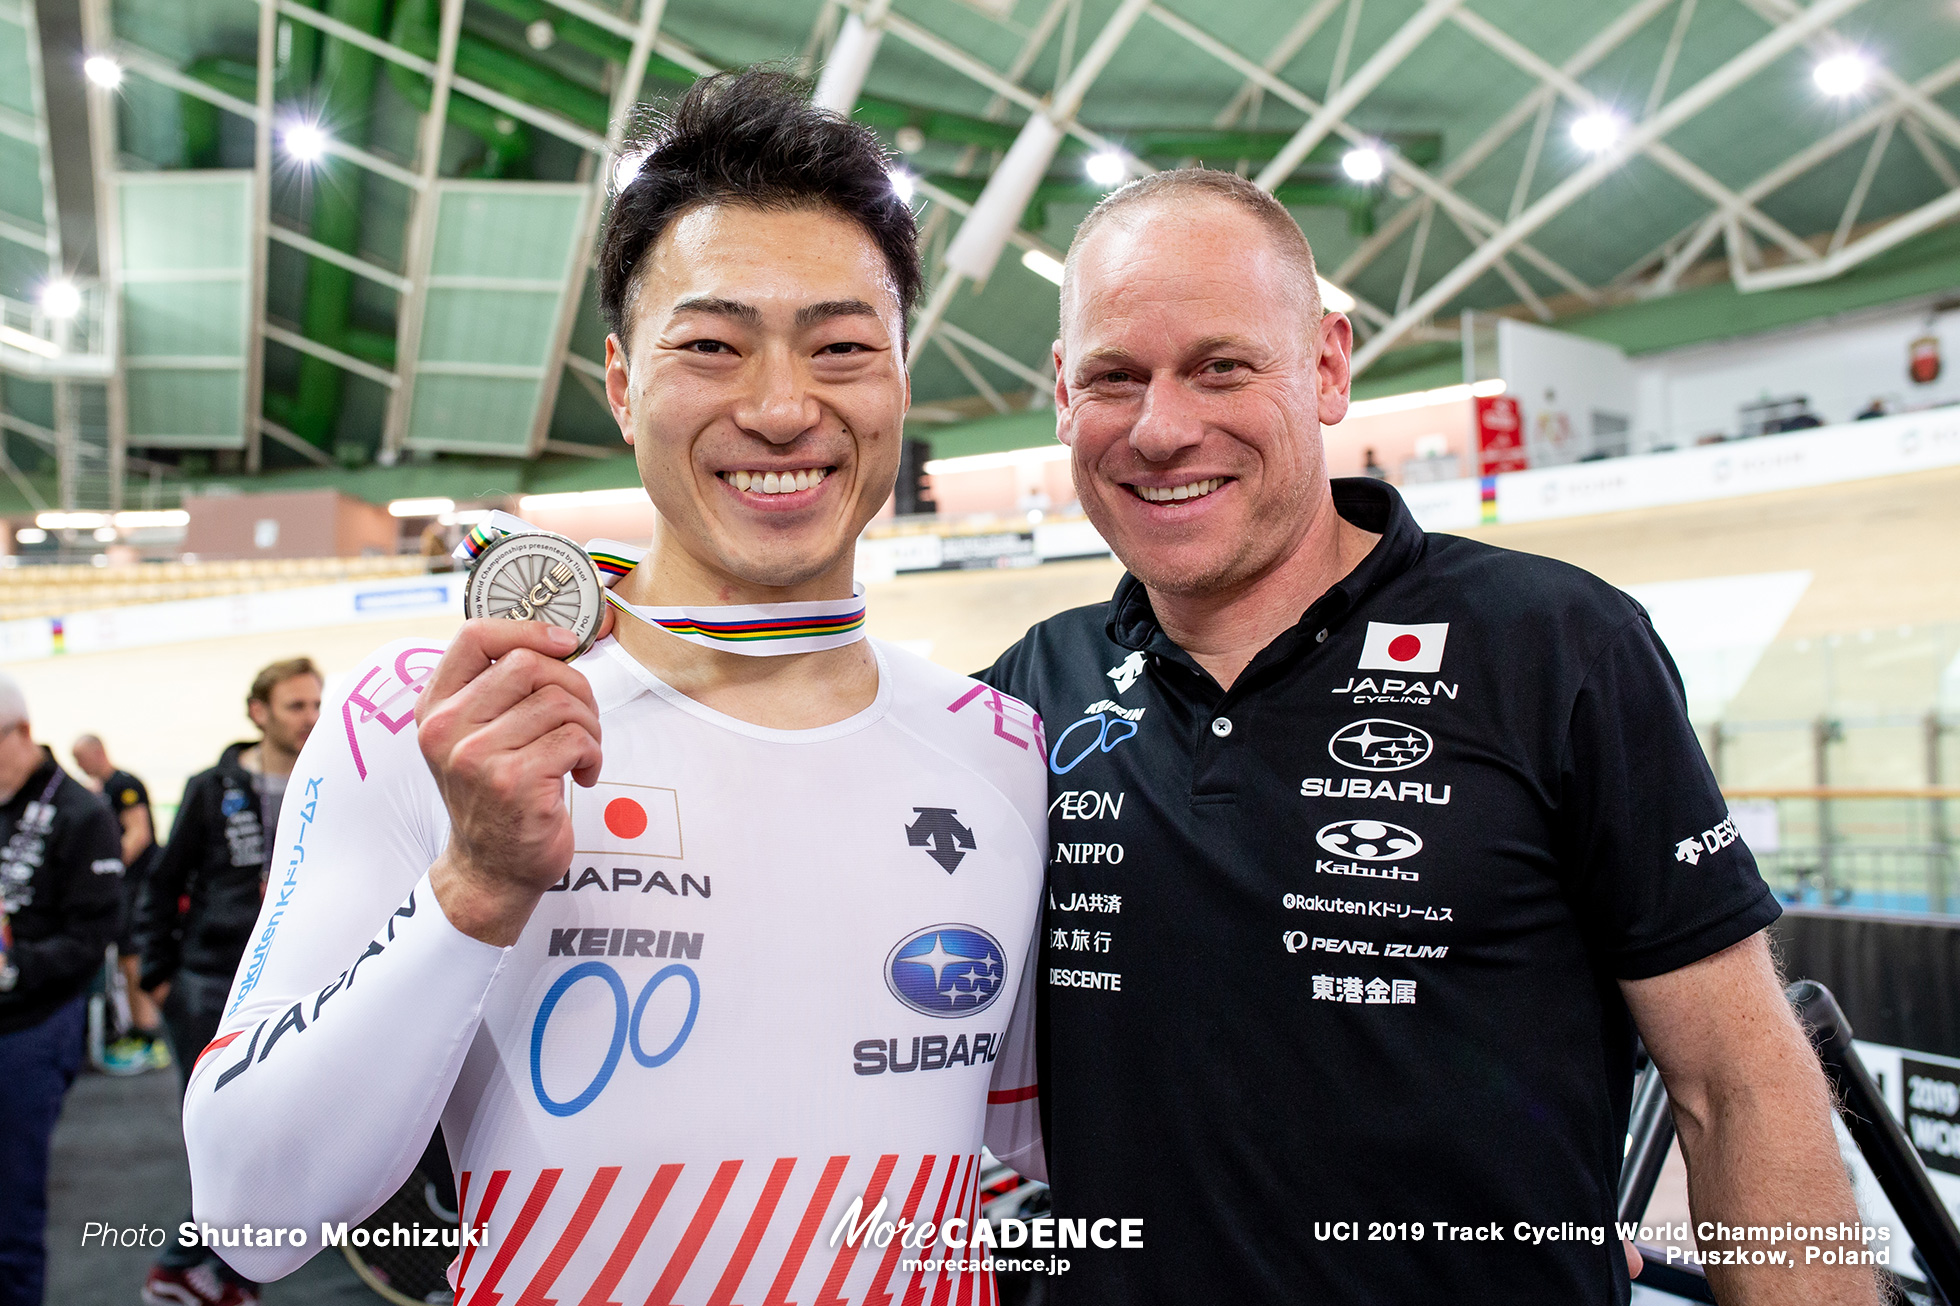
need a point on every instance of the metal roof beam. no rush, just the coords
(421, 232)
(1398, 165)
(970, 372)
(1683, 107)
(1664, 155)
(142, 62)
(1829, 41)
(1702, 233)
(1282, 53)
(626, 94)
(1609, 39)
(360, 267)
(1339, 104)
(1941, 165)
(260, 253)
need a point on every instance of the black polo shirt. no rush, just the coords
(1329, 958)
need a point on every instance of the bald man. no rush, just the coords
(60, 899)
(1372, 848)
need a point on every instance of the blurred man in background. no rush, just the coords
(60, 898)
(143, 1046)
(196, 917)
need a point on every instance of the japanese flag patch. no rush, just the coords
(1416, 649)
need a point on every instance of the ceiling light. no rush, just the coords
(305, 142)
(910, 140)
(1332, 297)
(30, 535)
(624, 497)
(541, 35)
(421, 507)
(71, 521)
(151, 519)
(1842, 75)
(105, 535)
(1107, 168)
(1042, 265)
(61, 300)
(625, 168)
(103, 71)
(1364, 164)
(1596, 132)
(901, 185)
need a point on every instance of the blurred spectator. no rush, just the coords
(203, 899)
(142, 1047)
(1876, 408)
(60, 901)
(1372, 468)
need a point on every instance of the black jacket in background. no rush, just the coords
(215, 859)
(61, 886)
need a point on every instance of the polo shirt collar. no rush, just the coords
(1370, 504)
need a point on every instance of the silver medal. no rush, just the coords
(537, 576)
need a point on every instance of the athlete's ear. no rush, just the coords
(619, 387)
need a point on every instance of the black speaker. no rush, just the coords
(912, 494)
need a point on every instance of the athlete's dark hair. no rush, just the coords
(751, 138)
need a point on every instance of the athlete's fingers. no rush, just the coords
(517, 730)
(568, 748)
(606, 621)
(1635, 1263)
(483, 641)
(500, 687)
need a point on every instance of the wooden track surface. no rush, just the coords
(1884, 553)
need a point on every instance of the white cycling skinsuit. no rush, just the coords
(778, 975)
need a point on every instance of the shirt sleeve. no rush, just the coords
(1660, 877)
(1013, 1095)
(87, 856)
(356, 1001)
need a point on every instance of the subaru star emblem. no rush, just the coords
(947, 970)
(1378, 745)
(1369, 841)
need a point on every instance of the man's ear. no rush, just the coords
(619, 387)
(1335, 340)
(261, 713)
(1062, 431)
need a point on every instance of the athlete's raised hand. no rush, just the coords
(501, 723)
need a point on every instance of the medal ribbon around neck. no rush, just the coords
(752, 630)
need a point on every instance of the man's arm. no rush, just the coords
(357, 995)
(90, 863)
(1754, 1115)
(136, 832)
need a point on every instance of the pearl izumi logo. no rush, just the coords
(1369, 841)
(1380, 745)
(939, 832)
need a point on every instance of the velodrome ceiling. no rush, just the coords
(344, 318)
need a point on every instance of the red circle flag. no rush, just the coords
(626, 818)
(1403, 648)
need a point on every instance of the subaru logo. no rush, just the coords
(1369, 841)
(1378, 745)
(947, 970)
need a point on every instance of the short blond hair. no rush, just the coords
(1205, 183)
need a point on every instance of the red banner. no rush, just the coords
(1500, 435)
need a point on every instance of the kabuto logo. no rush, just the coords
(946, 970)
(939, 832)
(1369, 841)
(1376, 744)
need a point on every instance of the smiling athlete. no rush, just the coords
(757, 962)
